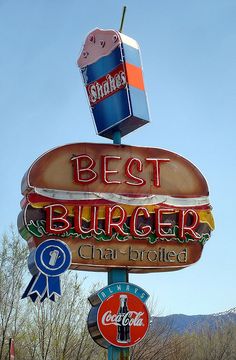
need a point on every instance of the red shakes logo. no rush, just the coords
(106, 85)
(123, 319)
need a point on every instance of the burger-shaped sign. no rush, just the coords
(143, 209)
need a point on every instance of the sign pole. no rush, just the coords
(122, 19)
(118, 275)
(114, 276)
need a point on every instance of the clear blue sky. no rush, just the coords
(189, 56)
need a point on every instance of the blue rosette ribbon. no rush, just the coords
(46, 263)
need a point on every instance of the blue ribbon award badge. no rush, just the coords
(46, 263)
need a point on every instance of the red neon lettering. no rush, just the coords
(78, 218)
(144, 230)
(83, 169)
(160, 225)
(105, 171)
(56, 224)
(128, 171)
(110, 224)
(184, 228)
(156, 169)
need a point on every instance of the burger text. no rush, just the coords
(115, 217)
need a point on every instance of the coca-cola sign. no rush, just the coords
(122, 315)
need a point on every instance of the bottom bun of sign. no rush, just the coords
(136, 257)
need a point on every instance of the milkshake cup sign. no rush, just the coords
(111, 67)
(123, 319)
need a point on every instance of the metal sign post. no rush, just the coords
(114, 276)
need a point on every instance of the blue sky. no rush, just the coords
(189, 56)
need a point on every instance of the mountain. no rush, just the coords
(180, 323)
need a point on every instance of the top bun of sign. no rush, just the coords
(110, 64)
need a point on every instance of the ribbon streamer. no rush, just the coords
(43, 286)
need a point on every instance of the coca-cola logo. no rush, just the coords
(130, 318)
(107, 85)
(123, 319)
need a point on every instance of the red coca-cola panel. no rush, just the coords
(123, 319)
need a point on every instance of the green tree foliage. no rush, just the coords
(59, 330)
(12, 267)
(217, 344)
(208, 344)
(41, 331)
